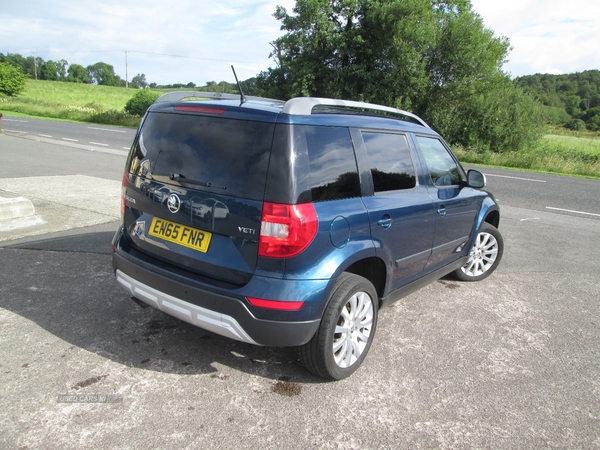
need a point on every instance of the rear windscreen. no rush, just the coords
(227, 155)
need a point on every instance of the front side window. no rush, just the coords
(442, 168)
(390, 160)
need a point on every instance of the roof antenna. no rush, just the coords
(243, 98)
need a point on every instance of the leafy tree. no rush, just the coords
(434, 57)
(104, 74)
(62, 69)
(49, 71)
(78, 74)
(141, 101)
(139, 81)
(12, 80)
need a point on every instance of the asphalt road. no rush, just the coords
(92, 135)
(510, 362)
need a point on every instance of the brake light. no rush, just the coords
(123, 188)
(275, 304)
(286, 230)
(200, 109)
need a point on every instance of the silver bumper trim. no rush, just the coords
(218, 323)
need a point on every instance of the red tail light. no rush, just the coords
(286, 230)
(123, 188)
(275, 304)
(200, 109)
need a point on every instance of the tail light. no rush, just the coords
(123, 188)
(286, 230)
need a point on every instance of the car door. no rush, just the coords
(400, 209)
(454, 205)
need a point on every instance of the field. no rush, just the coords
(73, 101)
(561, 154)
(560, 151)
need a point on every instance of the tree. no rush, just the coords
(139, 81)
(49, 71)
(12, 80)
(78, 74)
(433, 57)
(104, 74)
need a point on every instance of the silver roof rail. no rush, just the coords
(180, 95)
(303, 106)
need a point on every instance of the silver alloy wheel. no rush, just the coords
(483, 255)
(353, 329)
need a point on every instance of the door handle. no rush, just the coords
(385, 223)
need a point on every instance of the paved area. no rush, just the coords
(510, 362)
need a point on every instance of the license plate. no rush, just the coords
(180, 234)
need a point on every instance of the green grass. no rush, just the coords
(73, 101)
(567, 155)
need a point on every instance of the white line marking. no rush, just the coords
(515, 178)
(571, 211)
(533, 218)
(98, 143)
(126, 148)
(73, 140)
(15, 120)
(44, 135)
(106, 129)
(15, 131)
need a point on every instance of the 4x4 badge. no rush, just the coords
(173, 203)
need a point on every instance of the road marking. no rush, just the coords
(571, 211)
(15, 131)
(72, 140)
(126, 148)
(107, 129)
(533, 218)
(14, 120)
(515, 178)
(98, 143)
(45, 135)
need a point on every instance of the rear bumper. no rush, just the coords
(226, 315)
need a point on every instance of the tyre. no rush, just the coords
(485, 255)
(346, 332)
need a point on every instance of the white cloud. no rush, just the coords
(170, 42)
(547, 36)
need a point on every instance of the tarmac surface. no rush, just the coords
(509, 362)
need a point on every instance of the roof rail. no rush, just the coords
(303, 106)
(179, 95)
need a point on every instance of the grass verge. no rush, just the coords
(566, 155)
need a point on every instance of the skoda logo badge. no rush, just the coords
(173, 203)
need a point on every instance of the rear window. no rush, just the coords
(230, 155)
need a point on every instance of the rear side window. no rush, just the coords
(390, 160)
(333, 170)
(230, 155)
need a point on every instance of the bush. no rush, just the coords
(12, 81)
(576, 124)
(141, 101)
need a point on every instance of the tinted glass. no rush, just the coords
(231, 155)
(391, 161)
(442, 167)
(333, 170)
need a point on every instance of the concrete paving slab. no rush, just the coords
(62, 203)
(16, 207)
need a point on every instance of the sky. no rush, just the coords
(181, 41)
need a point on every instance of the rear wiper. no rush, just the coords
(182, 179)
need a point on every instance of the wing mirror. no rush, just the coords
(475, 179)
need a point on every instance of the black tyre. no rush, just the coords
(485, 255)
(346, 331)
